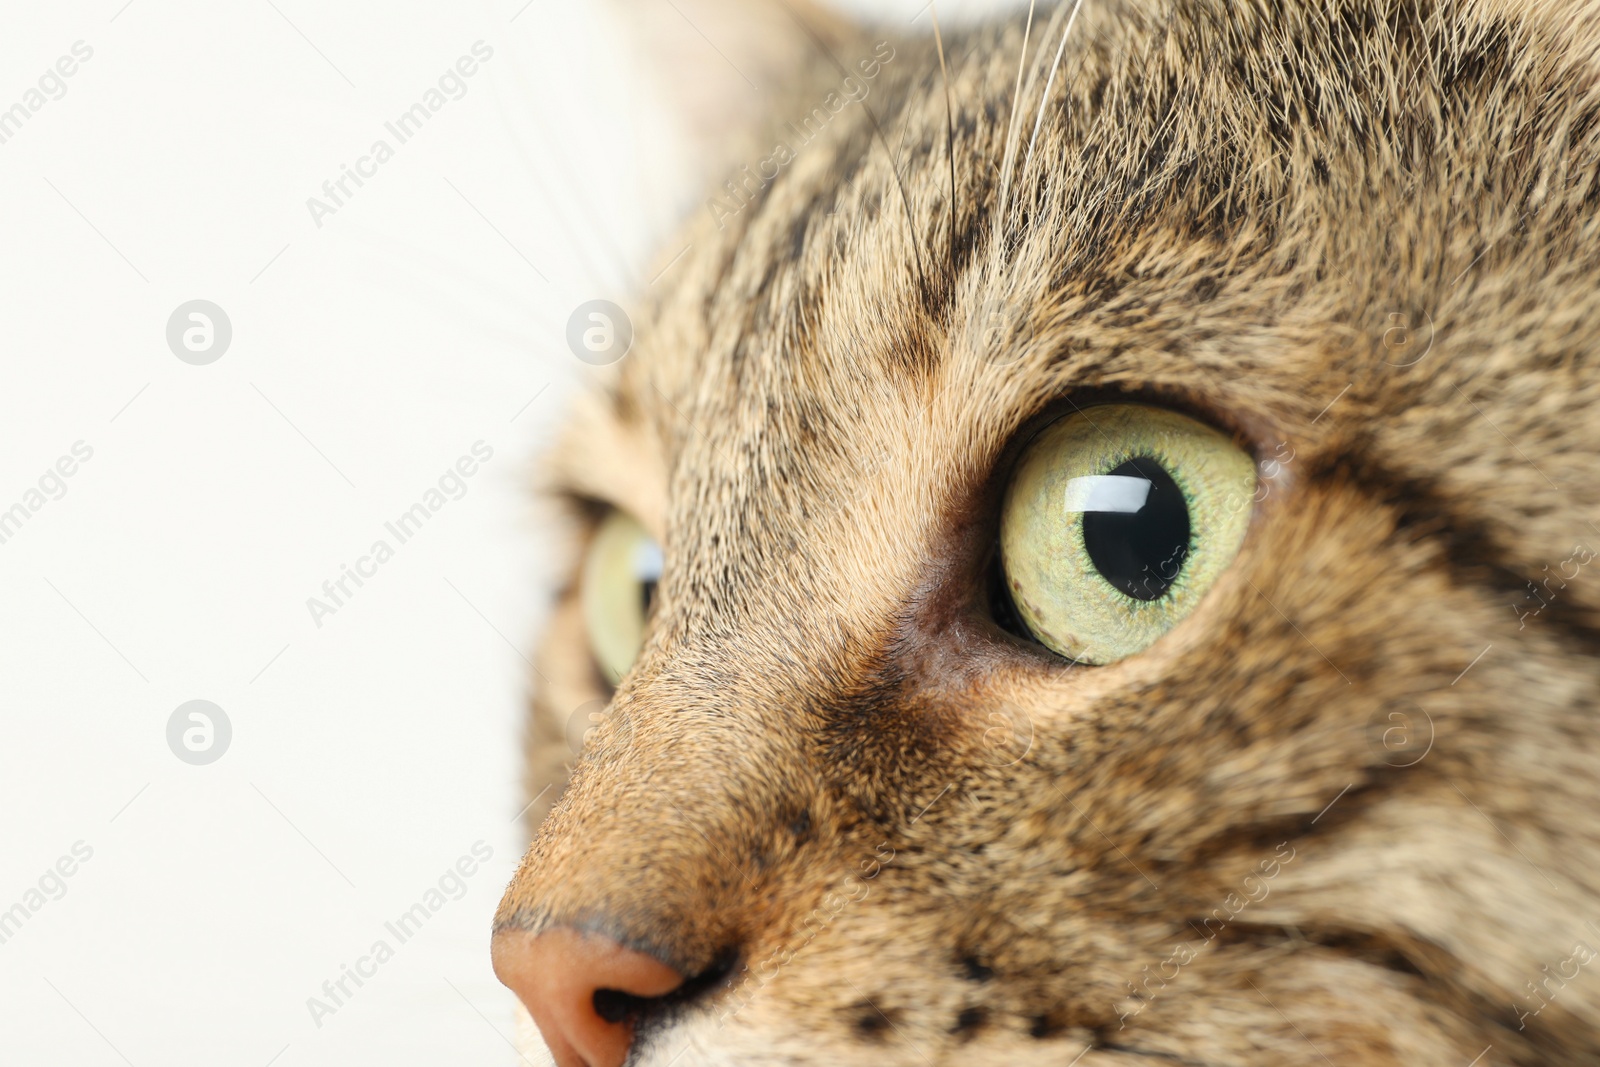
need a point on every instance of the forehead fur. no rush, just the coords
(1237, 203)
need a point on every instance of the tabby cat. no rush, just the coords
(1090, 558)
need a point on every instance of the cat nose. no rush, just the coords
(584, 990)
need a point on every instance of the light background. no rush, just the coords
(368, 355)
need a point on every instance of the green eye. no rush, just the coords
(1117, 521)
(619, 582)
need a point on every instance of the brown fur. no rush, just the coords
(920, 840)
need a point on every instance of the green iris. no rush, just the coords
(619, 580)
(1117, 521)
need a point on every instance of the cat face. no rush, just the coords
(897, 761)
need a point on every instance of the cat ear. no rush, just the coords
(728, 65)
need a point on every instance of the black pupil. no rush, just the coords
(1141, 553)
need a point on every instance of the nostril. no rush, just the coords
(617, 1006)
(585, 991)
(725, 964)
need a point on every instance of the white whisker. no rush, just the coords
(949, 126)
(1008, 155)
(1050, 84)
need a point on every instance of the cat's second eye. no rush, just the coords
(619, 582)
(1117, 520)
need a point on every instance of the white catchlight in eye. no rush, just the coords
(647, 562)
(1114, 493)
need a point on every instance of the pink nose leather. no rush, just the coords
(556, 974)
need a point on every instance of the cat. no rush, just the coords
(1089, 557)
